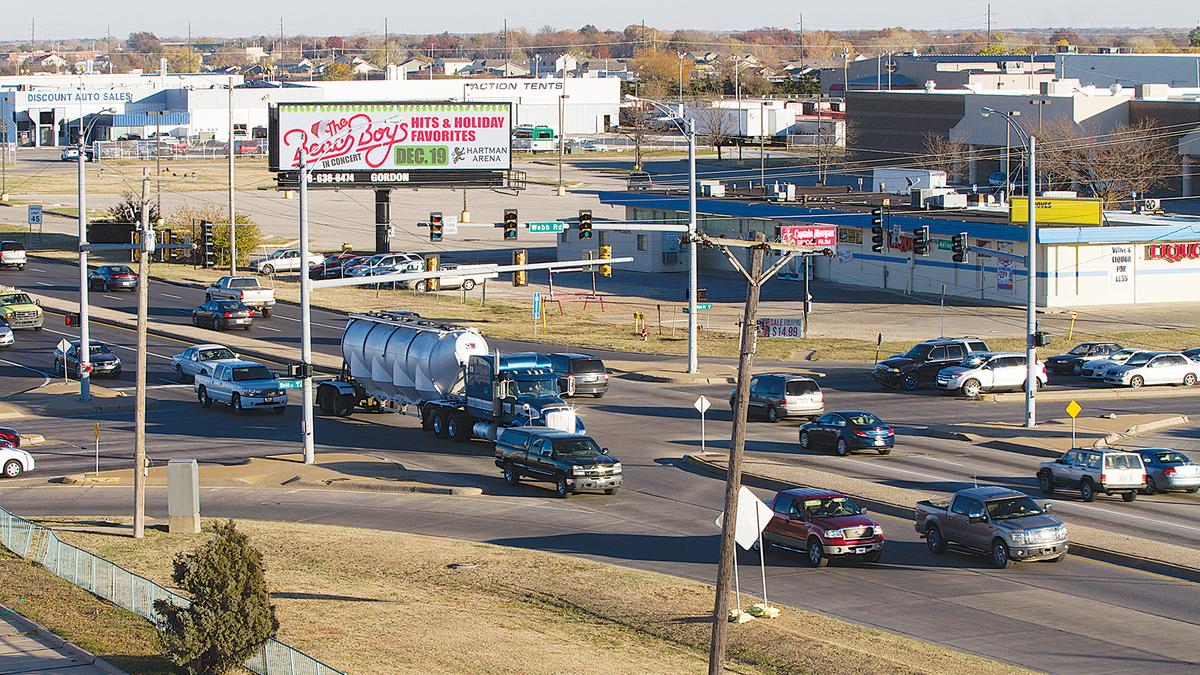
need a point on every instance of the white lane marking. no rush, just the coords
(45, 376)
(38, 269)
(322, 325)
(168, 295)
(111, 297)
(42, 283)
(944, 461)
(134, 350)
(273, 330)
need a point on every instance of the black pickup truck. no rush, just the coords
(573, 462)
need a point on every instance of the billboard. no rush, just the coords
(809, 235)
(346, 139)
(1057, 211)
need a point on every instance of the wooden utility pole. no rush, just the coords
(139, 432)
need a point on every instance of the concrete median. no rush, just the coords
(1053, 437)
(1089, 542)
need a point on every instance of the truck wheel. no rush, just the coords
(236, 403)
(454, 429)
(325, 401)
(970, 389)
(1046, 482)
(510, 474)
(934, 540)
(266, 312)
(1000, 559)
(343, 405)
(12, 469)
(1059, 558)
(1088, 491)
(816, 555)
(205, 400)
(873, 556)
(610, 491)
(437, 423)
(560, 487)
(1128, 496)
(910, 382)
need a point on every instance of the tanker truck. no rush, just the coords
(445, 374)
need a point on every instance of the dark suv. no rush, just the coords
(580, 374)
(921, 364)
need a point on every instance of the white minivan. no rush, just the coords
(12, 254)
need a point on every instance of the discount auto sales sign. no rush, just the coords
(395, 136)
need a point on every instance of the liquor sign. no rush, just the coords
(809, 235)
(781, 328)
(1170, 252)
(399, 137)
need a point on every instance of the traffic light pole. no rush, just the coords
(306, 395)
(85, 378)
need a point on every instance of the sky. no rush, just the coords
(226, 18)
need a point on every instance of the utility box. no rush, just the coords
(183, 496)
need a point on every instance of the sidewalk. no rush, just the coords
(26, 647)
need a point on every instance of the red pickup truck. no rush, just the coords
(822, 524)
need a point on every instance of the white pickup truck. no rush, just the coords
(246, 290)
(242, 385)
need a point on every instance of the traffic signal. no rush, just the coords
(435, 226)
(431, 265)
(520, 257)
(72, 319)
(877, 230)
(585, 223)
(606, 254)
(510, 224)
(921, 240)
(207, 254)
(958, 245)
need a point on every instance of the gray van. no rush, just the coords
(775, 396)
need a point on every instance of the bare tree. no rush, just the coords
(715, 125)
(1131, 158)
(638, 124)
(942, 153)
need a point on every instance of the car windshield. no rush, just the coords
(830, 507)
(576, 446)
(1080, 350)
(1172, 458)
(532, 388)
(801, 387)
(15, 299)
(974, 361)
(916, 352)
(12, 246)
(214, 354)
(243, 282)
(1125, 461)
(863, 419)
(587, 366)
(1139, 359)
(99, 349)
(247, 373)
(231, 306)
(1013, 507)
(1123, 354)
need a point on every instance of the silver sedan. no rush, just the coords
(199, 359)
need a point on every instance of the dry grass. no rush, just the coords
(370, 601)
(118, 176)
(124, 639)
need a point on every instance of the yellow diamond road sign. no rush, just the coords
(1073, 409)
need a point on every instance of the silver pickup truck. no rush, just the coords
(242, 385)
(1004, 523)
(245, 290)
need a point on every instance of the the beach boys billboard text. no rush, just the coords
(382, 138)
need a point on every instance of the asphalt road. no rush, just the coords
(1079, 616)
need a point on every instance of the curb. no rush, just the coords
(679, 379)
(1094, 394)
(81, 480)
(1109, 440)
(896, 510)
(68, 649)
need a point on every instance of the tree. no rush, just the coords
(248, 237)
(182, 60)
(129, 209)
(660, 65)
(230, 613)
(942, 153)
(715, 125)
(144, 42)
(638, 125)
(1194, 37)
(1110, 166)
(338, 71)
(1065, 36)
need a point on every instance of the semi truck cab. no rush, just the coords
(521, 391)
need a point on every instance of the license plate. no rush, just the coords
(861, 549)
(268, 400)
(879, 441)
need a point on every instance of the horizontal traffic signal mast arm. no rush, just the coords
(482, 268)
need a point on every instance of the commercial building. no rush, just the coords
(49, 109)
(1129, 70)
(907, 71)
(1133, 258)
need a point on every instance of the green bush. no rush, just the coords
(248, 237)
(231, 612)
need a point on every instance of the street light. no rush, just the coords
(687, 127)
(1030, 144)
(562, 139)
(85, 380)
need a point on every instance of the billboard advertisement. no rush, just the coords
(780, 328)
(391, 138)
(1057, 211)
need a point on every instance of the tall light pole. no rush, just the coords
(232, 215)
(1031, 383)
(85, 379)
(306, 395)
(681, 57)
(562, 138)
(688, 128)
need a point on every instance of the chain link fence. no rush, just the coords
(131, 591)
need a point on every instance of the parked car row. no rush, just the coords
(1112, 364)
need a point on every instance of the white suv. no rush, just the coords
(988, 371)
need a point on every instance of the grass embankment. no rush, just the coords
(124, 639)
(368, 601)
(123, 175)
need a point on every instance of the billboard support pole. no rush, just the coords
(383, 217)
(306, 396)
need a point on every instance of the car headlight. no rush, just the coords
(835, 534)
(878, 530)
(578, 471)
(616, 468)
(1061, 532)
(893, 370)
(1017, 537)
